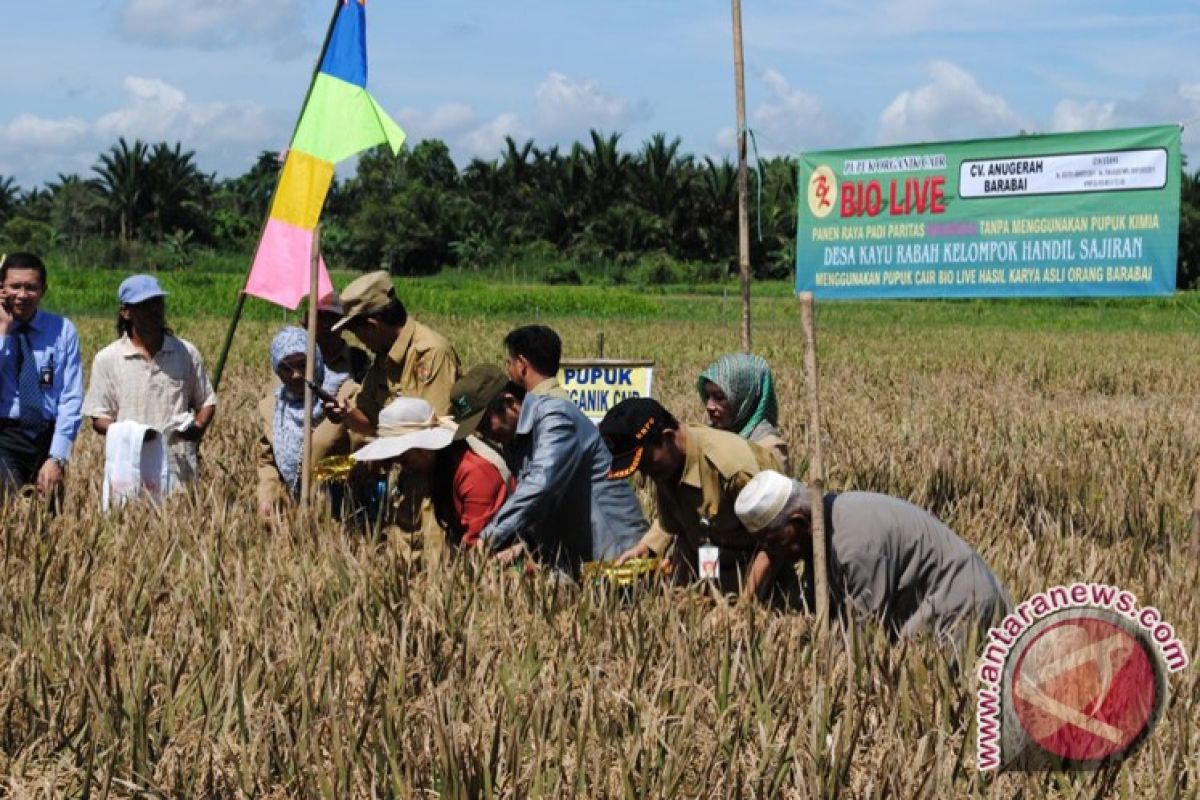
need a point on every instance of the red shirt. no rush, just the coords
(478, 494)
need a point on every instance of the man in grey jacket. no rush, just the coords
(565, 510)
(888, 559)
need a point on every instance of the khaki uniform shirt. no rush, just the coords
(718, 464)
(125, 385)
(551, 388)
(329, 439)
(421, 363)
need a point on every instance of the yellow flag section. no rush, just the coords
(598, 384)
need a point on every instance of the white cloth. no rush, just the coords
(133, 465)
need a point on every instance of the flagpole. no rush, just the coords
(739, 80)
(310, 371)
(219, 370)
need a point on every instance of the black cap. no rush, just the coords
(472, 394)
(628, 427)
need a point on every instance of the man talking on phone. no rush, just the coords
(41, 382)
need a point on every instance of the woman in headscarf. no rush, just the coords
(739, 395)
(281, 444)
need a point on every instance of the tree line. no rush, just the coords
(652, 214)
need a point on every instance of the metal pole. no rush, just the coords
(816, 464)
(739, 78)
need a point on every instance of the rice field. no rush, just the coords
(187, 651)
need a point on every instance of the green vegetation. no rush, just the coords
(508, 294)
(591, 214)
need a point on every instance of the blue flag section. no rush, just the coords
(1081, 214)
(346, 56)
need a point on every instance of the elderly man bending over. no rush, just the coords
(887, 558)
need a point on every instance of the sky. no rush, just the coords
(227, 77)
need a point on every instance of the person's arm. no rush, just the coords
(270, 487)
(101, 402)
(70, 398)
(202, 399)
(550, 468)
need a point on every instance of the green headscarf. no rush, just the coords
(749, 388)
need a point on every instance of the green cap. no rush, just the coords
(364, 296)
(472, 394)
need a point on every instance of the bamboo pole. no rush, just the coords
(739, 79)
(219, 370)
(816, 464)
(310, 358)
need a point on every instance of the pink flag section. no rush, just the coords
(281, 265)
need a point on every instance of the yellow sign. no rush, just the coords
(598, 384)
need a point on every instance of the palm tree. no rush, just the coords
(10, 198)
(121, 181)
(74, 205)
(174, 189)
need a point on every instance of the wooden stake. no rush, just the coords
(739, 80)
(310, 357)
(816, 464)
(1196, 516)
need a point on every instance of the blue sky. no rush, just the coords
(226, 77)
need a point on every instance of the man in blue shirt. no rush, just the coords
(41, 382)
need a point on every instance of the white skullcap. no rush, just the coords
(762, 499)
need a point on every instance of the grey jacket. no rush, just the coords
(898, 562)
(564, 508)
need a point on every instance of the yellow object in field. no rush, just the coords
(625, 574)
(333, 468)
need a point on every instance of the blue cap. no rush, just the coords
(138, 289)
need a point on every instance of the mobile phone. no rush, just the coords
(322, 395)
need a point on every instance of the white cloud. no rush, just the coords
(158, 110)
(214, 24)
(444, 120)
(487, 140)
(951, 106)
(1160, 104)
(226, 136)
(566, 106)
(791, 120)
(32, 131)
(1089, 115)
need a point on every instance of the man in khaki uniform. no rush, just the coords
(411, 360)
(531, 358)
(697, 473)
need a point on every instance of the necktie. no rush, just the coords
(29, 387)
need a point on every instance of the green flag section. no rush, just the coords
(1082, 214)
(342, 119)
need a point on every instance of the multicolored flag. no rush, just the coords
(339, 119)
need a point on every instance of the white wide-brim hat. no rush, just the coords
(394, 446)
(407, 423)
